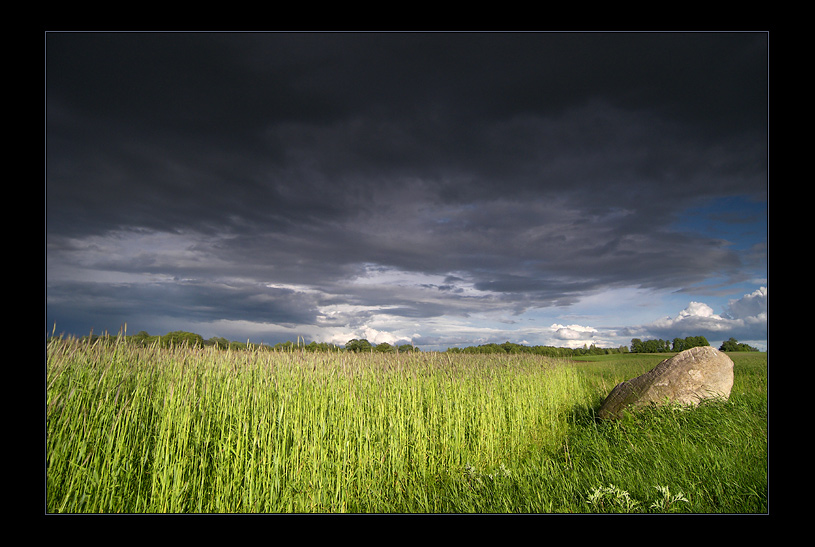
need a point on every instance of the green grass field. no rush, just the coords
(144, 430)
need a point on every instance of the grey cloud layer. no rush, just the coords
(535, 167)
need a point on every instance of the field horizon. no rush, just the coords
(196, 430)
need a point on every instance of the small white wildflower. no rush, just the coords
(668, 499)
(615, 497)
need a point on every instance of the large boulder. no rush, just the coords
(687, 378)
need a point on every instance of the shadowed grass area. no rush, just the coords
(200, 430)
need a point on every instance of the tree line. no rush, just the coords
(662, 346)
(681, 344)
(191, 339)
(733, 345)
(549, 351)
(361, 345)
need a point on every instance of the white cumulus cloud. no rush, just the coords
(573, 335)
(572, 332)
(697, 309)
(750, 306)
(745, 319)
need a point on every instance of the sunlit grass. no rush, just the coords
(201, 430)
(137, 430)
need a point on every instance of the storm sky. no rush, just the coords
(444, 189)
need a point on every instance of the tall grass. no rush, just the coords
(199, 430)
(205, 431)
(716, 454)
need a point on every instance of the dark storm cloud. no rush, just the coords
(536, 166)
(169, 129)
(183, 300)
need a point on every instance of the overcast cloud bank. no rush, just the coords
(444, 189)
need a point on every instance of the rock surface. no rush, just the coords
(687, 378)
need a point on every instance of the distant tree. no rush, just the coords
(662, 346)
(178, 338)
(733, 345)
(696, 342)
(729, 345)
(489, 348)
(510, 347)
(358, 345)
(218, 342)
(319, 347)
(681, 344)
(384, 347)
(142, 338)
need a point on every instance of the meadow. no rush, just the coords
(134, 429)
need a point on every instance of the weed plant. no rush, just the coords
(191, 430)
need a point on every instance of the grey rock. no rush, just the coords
(687, 378)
